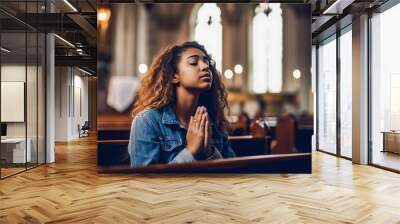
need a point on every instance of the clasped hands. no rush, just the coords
(199, 133)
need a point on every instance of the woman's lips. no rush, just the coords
(206, 78)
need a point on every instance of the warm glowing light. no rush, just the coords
(228, 74)
(296, 74)
(103, 14)
(238, 69)
(142, 68)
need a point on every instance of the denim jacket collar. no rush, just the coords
(168, 116)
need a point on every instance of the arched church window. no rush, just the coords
(267, 49)
(208, 31)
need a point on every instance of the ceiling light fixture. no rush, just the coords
(5, 50)
(64, 40)
(337, 7)
(70, 5)
(84, 71)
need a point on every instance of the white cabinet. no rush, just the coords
(15, 148)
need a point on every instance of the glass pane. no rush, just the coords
(13, 85)
(31, 97)
(327, 97)
(385, 86)
(346, 94)
(41, 98)
(31, 85)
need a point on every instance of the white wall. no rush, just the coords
(71, 94)
(62, 81)
(17, 72)
(80, 108)
(33, 126)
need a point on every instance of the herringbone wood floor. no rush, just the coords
(70, 191)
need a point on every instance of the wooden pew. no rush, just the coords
(249, 145)
(115, 152)
(285, 136)
(112, 139)
(304, 132)
(283, 163)
(112, 152)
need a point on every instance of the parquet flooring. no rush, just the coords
(10, 171)
(71, 191)
(387, 159)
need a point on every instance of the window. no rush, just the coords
(346, 94)
(385, 88)
(22, 65)
(208, 31)
(327, 96)
(267, 49)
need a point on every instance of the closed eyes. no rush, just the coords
(194, 60)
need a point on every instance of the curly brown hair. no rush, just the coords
(157, 90)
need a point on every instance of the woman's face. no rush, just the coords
(193, 70)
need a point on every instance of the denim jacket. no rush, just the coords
(156, 137)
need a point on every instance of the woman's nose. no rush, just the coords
(203, 66)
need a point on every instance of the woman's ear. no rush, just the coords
(175, 79)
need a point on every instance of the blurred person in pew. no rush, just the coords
(179, 112)
(242, 125)
(261, 108)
